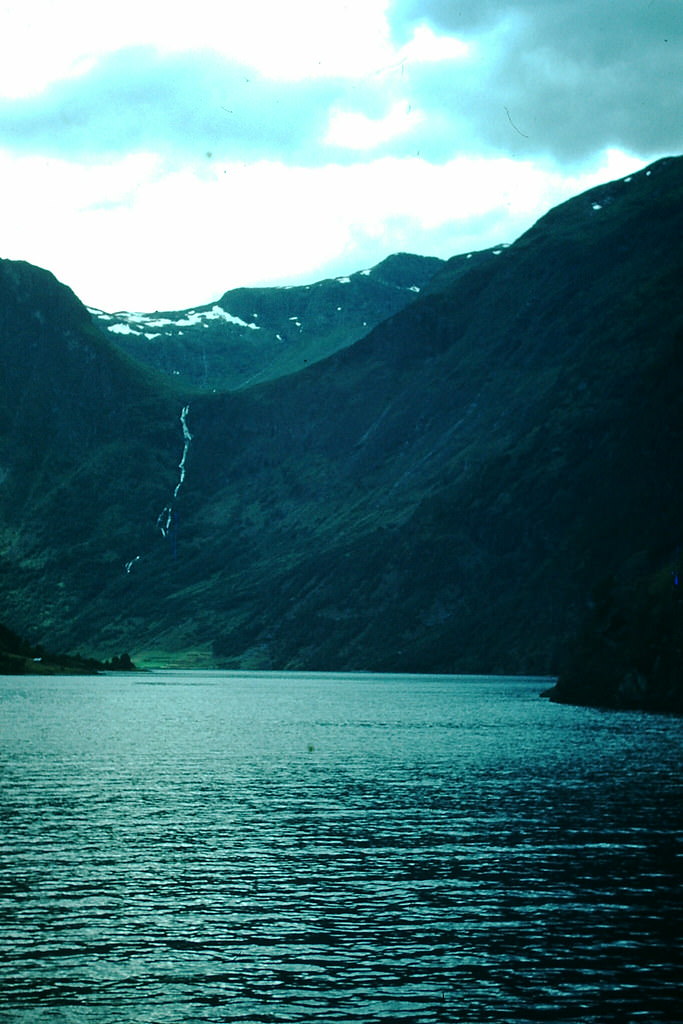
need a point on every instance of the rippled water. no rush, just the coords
(224, 847)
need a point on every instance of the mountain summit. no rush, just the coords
(443, 493)
(255, 334)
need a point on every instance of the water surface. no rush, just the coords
(275, 848)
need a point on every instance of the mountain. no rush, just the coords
(447, 493)
(257, 334)
(629, 651)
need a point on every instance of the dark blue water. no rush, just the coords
(180, 848)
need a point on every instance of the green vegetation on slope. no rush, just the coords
(257, 334)
(442, 495)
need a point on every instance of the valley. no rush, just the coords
(438, 488)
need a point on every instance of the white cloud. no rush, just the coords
(310, 38)
(138, 235)
(353, 130)
(435, 144)
(427, 47)
(42, 41)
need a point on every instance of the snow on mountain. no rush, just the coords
(255, 334)
(147, 323)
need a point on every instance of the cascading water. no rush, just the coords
(167, 516)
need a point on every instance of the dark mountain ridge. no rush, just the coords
(443, 494)
(258, 334)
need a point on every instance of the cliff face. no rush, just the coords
(629, 651)
(443, 494)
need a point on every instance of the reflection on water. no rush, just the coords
(207, 847)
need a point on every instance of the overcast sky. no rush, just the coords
(154, 154)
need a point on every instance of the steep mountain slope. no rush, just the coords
(444, 494)
(495, 448)
(88, 449)
(257, 334)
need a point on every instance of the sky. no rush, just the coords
(155, 154)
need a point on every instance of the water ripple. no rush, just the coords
(487, 857)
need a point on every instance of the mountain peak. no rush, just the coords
(602, 206)
(444, 495)
(256, 334)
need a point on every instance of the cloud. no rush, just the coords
(42, 41)
(154, 155)
(528, 79)
(127, 234)
(555, 77)
(140, 100)
(353, 130)
(180, 105)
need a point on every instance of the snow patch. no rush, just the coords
(218, 313)
(121, 329)
(596, 206)
(343, 280)
(192, 318)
